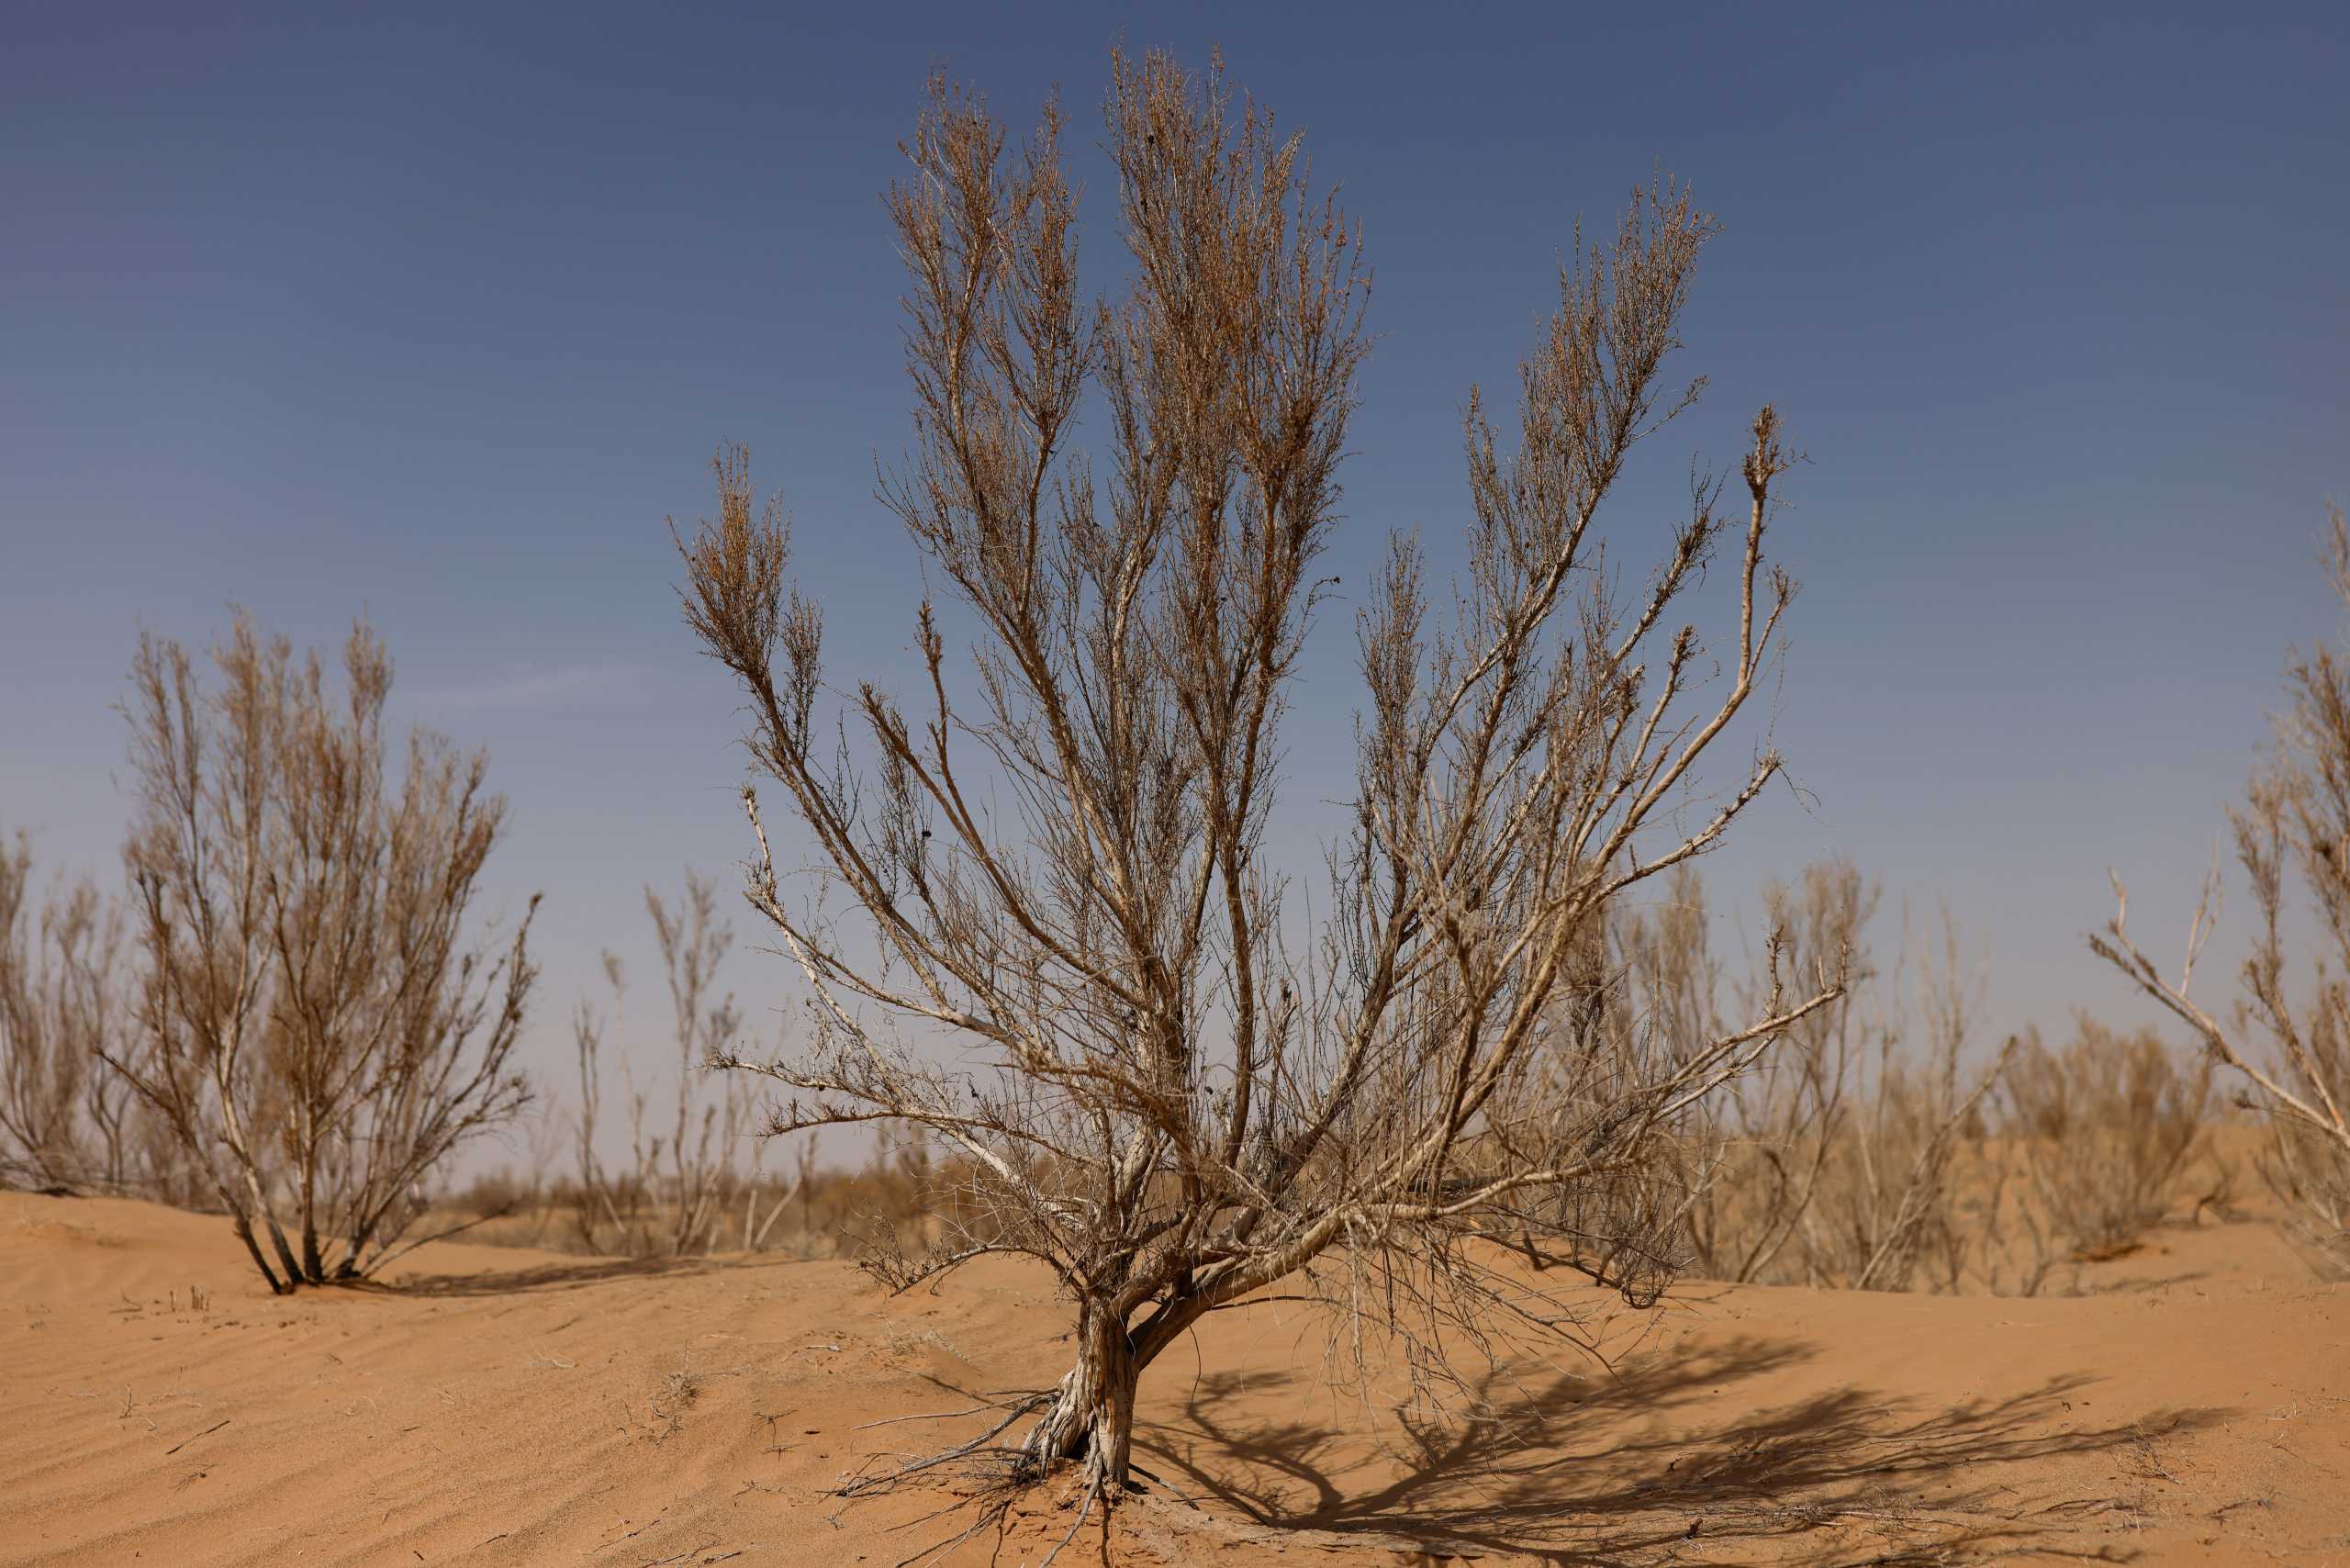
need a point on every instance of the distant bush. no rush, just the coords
(68, 1121)
(1853, 1154)
(2104, 1130)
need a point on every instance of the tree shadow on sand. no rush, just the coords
(562, 1276)
(1598, 1469)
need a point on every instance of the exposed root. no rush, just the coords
(1068, 1429)
(1085, 1510)
(984, 1444)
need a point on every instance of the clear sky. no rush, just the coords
(436, 315)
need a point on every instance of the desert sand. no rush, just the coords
(492, 1405)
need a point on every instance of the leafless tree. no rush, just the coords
(2295, 820)
(320, 1033)
(1168, 1094)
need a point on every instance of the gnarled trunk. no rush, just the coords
(1092, 1418)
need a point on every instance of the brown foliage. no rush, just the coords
(1170, 1089)
(317, 1029)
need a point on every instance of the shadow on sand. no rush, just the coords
(1609, 1469)
(564, 1276)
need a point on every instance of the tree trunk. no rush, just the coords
(245, 1234)
(1092, 1420)
(232, 1132)
(313, 1268)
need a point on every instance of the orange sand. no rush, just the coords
(498, 1406)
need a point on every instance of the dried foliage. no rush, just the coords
(317, 1029)
(2293, 824)
(1910, 1200)
(2105, 1131)
(1167, 1085)
(67, 1122)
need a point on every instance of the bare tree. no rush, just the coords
(2294, 820)
(319, 1032)
(1172, 1092)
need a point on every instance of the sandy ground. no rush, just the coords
(496, 1406)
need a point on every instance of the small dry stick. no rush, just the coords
(184, 1441)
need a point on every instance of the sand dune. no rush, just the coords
(496, 1406)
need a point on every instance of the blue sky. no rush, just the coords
(436, 314)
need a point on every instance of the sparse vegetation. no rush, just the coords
(69, 1122)
(1248, 1051)
(1852, 1156)
(2105, 1131)
(688, 1176)
(2294, 825)
(317, 1027)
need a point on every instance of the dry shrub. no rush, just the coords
(2104, 1131)
(2309, 1172)
(57, 996)
(1908, 1198)
(896, 1208)
(1854, 1154)
(69, 1122)
(1037, 908)
(2293, 827)
(320, 1024)
(1636, 988)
